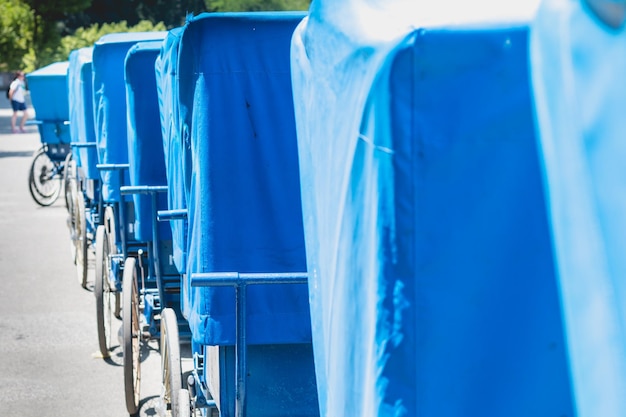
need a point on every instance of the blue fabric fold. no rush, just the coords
(145, 141)
(237, 128)
(432, 277)
(166, 68)
(80, 93)
(109, 95)
(577, 69)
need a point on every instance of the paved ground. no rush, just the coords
(48, 343)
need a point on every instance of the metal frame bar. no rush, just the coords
(122, 215)
(83, 144)
(240, 282)
(151, 190)
(169, 215)
(80, 145)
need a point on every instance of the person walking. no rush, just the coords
(17, 95)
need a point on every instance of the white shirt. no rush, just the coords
(18, 87)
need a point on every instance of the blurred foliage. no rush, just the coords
(54, 10)
(48, 15)
(16, 27)
(170, 12)
(35, 33)
(84, 37)
(255, 5)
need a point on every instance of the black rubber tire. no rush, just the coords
(109, 225)
(70, 187)
(81, 243)
(131, 332)
(69, 181)
(171, 375)
(102, 291)
(44, 187)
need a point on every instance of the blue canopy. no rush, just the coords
(578, 65)
(433, 290)
(109, 92)
(145, 142)
(244, 198)
(166, 68)
(48, 94)
(80, 93)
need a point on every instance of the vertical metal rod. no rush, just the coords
(122, 215)
(155, 240)
(241, 351)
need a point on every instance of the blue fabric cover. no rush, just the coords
(145, 142)
(80, 93)
(431, 271)
(109, 93)
(244, 198)
(578, 66)
(166, 68)
(48, 94)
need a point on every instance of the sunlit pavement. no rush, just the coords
(49, 365)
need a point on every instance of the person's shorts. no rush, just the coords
(17, 106)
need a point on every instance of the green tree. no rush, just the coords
(16, 28)
(172, 13)
(45, 32)
(88, 36)
(255, 5)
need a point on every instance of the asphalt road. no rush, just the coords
(49, 366)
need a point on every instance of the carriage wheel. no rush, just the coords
(69, 182)
(171, 375)
(109, 225)
(81, 243)
(102, 290)
(70, 203)
(132, 336)
(184, 403)
(44, 179)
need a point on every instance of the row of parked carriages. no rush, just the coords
(199, 163)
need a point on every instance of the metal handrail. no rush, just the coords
(240, 282)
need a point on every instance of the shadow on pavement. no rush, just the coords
(16, 154)
(150, 406)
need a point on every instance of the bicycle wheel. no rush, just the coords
(69, 182)
(105, 298)
(44, 179)
(69, 186)
(171, 375)
(110, 233)
(132, 336)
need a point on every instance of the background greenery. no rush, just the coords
(35, 33)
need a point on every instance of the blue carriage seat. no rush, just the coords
(82, 128)
(244, 198)
(48, 93)
(109, 94)
(176, 160)
(145, 142)
(432, 277)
